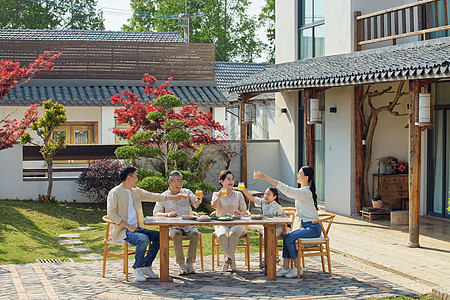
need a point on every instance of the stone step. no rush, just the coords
(70, 242)
(78, 249)
(69, 235)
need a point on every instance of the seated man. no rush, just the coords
(173, 209)
(124, 208)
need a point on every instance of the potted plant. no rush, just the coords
(390, 164)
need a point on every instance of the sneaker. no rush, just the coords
(190, 268)
(139, 274)
(149, 273)
(225, 267)
(183, 270)
(233, 266)
(293, 273)
(281, 272)
(262, 265)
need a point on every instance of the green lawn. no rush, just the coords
(29, 230)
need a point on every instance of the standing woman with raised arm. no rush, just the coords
(306, 206)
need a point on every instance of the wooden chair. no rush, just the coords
(290, 212)
(200, 247)
(106, 254)
(245, 245)
(319, 246)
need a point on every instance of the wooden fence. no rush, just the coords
(418, 18)
(117, 60)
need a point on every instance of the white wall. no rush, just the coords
(13, 186)
(286, 34)
(286, 130)
(107, 123)
(339, 151)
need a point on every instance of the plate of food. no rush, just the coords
(213, 216)
(204, 218)
(257, 217)
(188, 218)
(236, 217)
(225, 219)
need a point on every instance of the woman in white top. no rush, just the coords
(227, 204)
(306, 205)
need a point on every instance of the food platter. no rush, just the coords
(236, 217)
(257, 217)
(190, 218)
(204, 219)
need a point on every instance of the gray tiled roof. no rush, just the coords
(419, 60)
(228, 73)
(90, 35)
(206, 95)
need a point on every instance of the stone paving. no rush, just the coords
(83, 280)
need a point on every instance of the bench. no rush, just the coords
(375, 214)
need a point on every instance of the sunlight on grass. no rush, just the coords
(30, 229)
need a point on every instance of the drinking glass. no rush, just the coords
(199, 194)
(256, 174)
(241, 186)
(224, 191)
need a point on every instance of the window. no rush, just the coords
(311, 28)
(77, 133)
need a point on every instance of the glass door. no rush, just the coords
(439, 163)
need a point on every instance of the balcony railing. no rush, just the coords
(418, 18)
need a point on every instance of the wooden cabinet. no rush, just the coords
(393, 189)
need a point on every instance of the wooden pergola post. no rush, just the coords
(414, 165)
(310, 158)
(359, 150)
(243, 147)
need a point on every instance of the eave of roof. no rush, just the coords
(419, 60)
(98, 93)
(90, 35)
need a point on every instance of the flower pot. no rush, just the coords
(377, 203)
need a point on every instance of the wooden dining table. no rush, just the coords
(270, 239)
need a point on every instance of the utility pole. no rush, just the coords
(187, 18)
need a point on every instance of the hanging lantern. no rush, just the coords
(424, 118)
(314, 111)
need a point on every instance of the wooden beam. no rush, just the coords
(357, 31)
(245, 99)
(359, 150)
(414, 166)
(309, 131)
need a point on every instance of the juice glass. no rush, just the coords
(199, 194)
(241, 186)
(184, 196)
(224, 191)
(256, 174)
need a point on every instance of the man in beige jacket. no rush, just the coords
(124, 208)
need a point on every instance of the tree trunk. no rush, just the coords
(49, 162)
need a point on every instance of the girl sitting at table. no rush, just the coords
(228, 202)
(271, 207)
(306, 205)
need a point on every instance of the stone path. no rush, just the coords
(83, 281)
(74, 241)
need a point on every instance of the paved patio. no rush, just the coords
(84, 281)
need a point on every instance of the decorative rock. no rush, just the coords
(79, 249)
(70, 242)
(83, 228)
(91, 256)
(69, 235)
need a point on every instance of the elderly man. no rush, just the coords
(173, 209)
(124, 208)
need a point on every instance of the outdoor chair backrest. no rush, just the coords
(328, 218)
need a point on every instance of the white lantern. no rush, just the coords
(424, 109)
(314, 111)
(249, 113)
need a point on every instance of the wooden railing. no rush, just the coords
(418, 18)
(70, 153)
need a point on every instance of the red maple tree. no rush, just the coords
(11, 73)
(199, 124)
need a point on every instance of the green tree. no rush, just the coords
(53, 116)
(222, 22)
(51, 14)
(267, 19)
